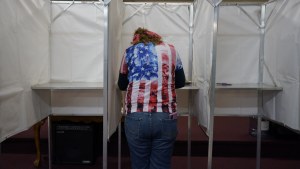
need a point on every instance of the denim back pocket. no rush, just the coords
(169, 128)
(132, 126)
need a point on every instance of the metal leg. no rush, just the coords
(189, 141)
(104, 145)
(191, 23)
(260, 81)
(49, 143)
(119, 146)
(258, 142)
(212, 91)
(210, 142)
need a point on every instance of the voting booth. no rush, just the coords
(57, 61)
(237, 77)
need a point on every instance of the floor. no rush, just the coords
(234, 148)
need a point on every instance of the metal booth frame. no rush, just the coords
(52, 86)
(188, 88)
(260, 87)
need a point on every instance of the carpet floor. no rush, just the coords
(234, 148)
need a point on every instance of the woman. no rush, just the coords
(150, 71)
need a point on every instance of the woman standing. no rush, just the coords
(150, 72)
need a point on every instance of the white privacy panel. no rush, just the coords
(24, 58)
(238, 45)
(114, 98)
(237, 61)
(77, 37)
(283, 46)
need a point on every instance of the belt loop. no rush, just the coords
(173, 116)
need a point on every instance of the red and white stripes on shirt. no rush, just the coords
(151, 73)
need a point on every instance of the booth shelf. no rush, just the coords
(243, 2)
(248, 86)
(68, 85)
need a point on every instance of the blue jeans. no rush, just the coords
(151, 138)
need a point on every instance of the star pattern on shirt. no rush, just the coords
(143, 63)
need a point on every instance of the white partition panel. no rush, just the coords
(283, 46)
(24, 56)
(77, 42)
(237, 59)
(202, 47)
(115, 17)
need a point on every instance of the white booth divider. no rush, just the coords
(77, 36)
(237, 60)
(24, 61)
(282, 46)
(115, 17)
(112, 98)
(202, 52)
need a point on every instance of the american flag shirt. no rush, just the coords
(151, 74)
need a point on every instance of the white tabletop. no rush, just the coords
(69, 85)
(84, 85)
(248, 86)
(244, 2)
(99, 85)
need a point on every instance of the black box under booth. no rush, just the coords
(73, 142)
